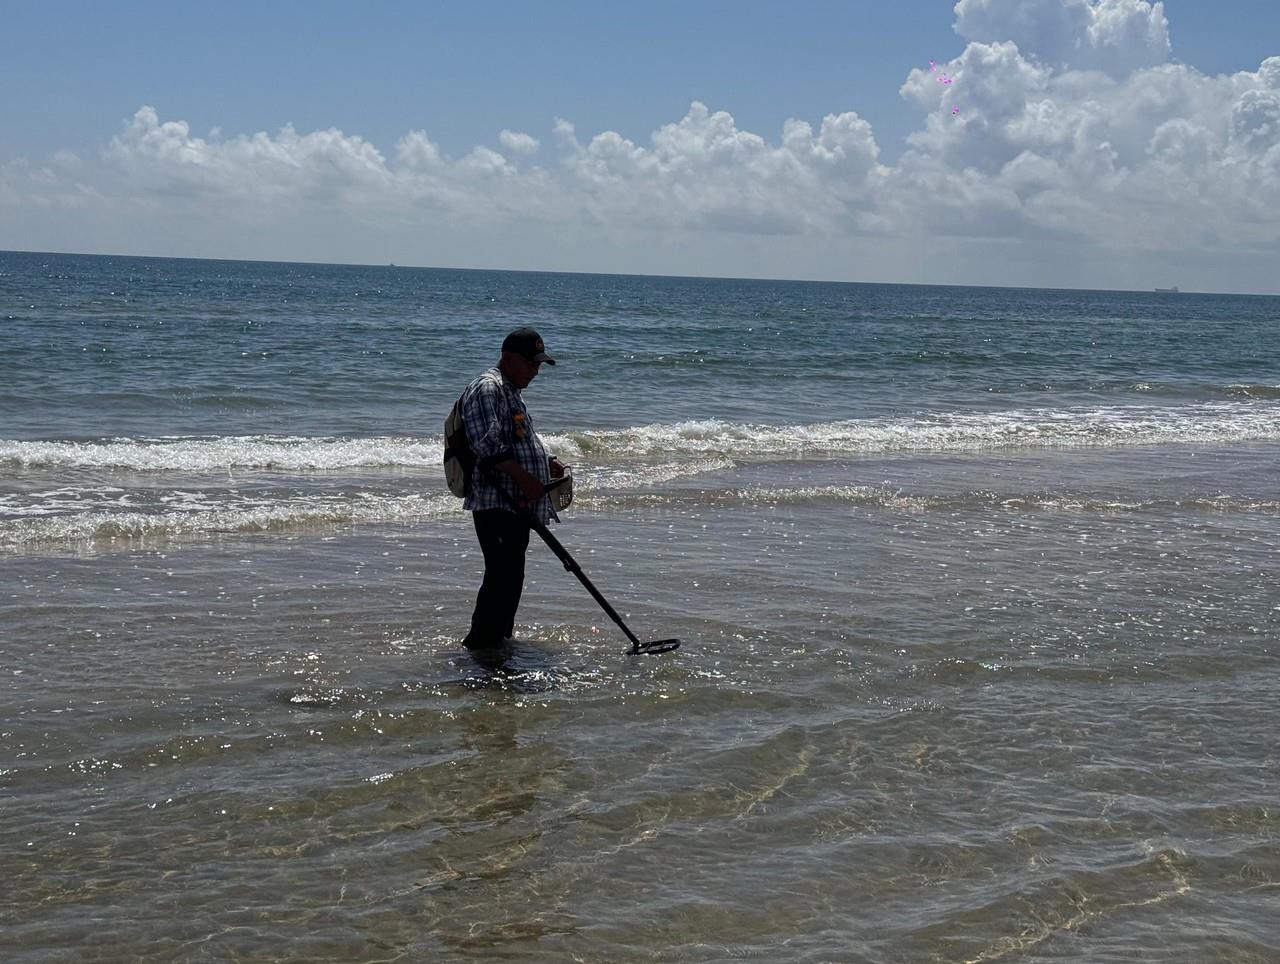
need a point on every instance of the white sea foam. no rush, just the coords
(630, 476)
(951, 431)
(712, 439)
(900, 500)
(1255, 391)
(246, 517)
(109, 518)
(202, 455)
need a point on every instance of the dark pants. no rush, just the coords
(504, 537)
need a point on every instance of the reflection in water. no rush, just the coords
(484, 878)
(520, 666)
(501, 789)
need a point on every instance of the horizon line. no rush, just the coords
(623, 274)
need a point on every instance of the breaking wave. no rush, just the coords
(714, 439)
(284, 515)
(1254, 391)
(951, 431)
(202, 455)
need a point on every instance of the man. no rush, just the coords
(511, 467)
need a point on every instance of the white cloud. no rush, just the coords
(1161, 158)
(704, 172)
(1116, 36)
(168, 156)
(518, 143)
(417, 152)
(1255, 121)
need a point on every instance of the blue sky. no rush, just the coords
(460, 71)
(80, 171)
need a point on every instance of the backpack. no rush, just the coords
(459, 460)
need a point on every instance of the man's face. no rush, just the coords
(524, 371)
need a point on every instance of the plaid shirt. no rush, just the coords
(499, 428)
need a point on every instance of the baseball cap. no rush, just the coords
(527, 342)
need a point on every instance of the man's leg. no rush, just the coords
(504, 539)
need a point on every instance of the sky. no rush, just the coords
(1054, 143)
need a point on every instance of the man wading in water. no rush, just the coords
(508, 453)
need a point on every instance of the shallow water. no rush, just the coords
(965, 676)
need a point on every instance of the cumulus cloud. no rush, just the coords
(517, 142)
(1116, 36)
(702, 172)
(1164, 156)
(287, 171)
(167, 158)
(1063, 121)
(705, 172)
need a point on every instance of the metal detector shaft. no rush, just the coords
(637, 647)
(572, 565)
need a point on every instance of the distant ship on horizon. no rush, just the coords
(1167, 291)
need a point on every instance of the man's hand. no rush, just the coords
(558, 468)
(531, 486)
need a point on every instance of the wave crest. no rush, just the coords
(711, 440)
(940, 432)
(201, 455)
(285, 515)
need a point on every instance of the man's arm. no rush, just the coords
(530, 485)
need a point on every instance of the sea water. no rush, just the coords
(976, 587)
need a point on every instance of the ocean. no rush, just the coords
(976, 587)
